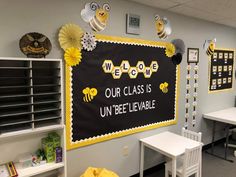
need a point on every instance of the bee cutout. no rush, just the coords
(209, 46)
(164, 87)
(35, 45)
(89, 94)
(163, 27)
(96, 16)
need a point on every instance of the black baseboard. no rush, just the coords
(151, 170)
(207, 146)
(162, 165)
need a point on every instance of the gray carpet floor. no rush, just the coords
(212, 166)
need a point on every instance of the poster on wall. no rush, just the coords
(123, 86)
(221, 71)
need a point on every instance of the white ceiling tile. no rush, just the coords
(222, 8)
(218, 11)
(188, 11)
(181, 1)
(162, 4)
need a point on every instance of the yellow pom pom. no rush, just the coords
(170, 50)
(72, 56)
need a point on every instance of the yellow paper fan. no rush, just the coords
(70, 36)
(72, 56)
(170, 50)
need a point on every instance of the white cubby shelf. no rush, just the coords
(31, 106)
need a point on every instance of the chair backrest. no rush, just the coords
(192, 160)
(192, 135)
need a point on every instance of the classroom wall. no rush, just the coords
(47, 16)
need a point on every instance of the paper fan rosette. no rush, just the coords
(170, 50)
(88, 41)
(72, 56)
(70, 36)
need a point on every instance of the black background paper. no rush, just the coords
(86, 119)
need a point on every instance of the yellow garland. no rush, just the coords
(170, 50)
(72, 56)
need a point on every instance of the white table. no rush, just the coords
(168, 144)
(227, 116)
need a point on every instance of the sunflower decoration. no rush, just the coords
(170, 50)
(72, 56)
(70, 36)
(88, 41)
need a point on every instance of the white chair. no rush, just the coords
(194, 136)
(189, 165)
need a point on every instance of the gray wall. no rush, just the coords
(47, 16)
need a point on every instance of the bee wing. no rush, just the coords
(30, 38)
(42, 39)
(87, 13)
(205, 45)
(168, 29)
(157, 17)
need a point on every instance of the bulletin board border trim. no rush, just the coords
(68, 83)
(209, 71)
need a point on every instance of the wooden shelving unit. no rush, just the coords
(31, 103)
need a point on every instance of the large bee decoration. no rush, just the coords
(209, 46)
(96, 16)
(163, 27)
(35, 45)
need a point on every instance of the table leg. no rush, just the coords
(141, 160)
(174, 167)
(227, 141)
(226, 144)
(200, 165)
(213, 137)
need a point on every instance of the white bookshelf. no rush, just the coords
(32, 171)
(31, 106)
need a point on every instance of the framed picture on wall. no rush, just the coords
(132, 24)
(193, 55)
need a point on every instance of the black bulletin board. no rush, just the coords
(125, 103)
(221, 70)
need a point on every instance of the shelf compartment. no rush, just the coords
(14, 63)
(29, 95)
(14, 128)
(47, 118)
(52, 101)
(32, 171)
(15, 68)
(47, 85)
(14, 77)
(14, 105)
(10, 91)
(15, 96)
(46, 110)
(30, 131)
(9, 113)
(16, 123)
(15, 86)
(14, 101)
(16, 113)
(45, 123)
